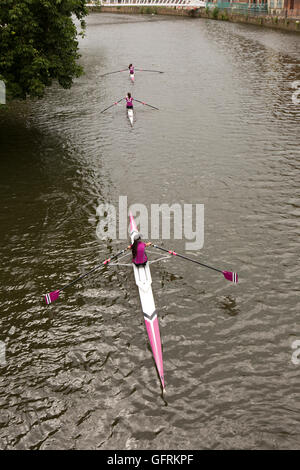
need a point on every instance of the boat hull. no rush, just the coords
(143, 280)
(130, 115)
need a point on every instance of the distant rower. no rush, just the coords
(131, 69)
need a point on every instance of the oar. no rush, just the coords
(109, 73)
(116, 102)
(145, 104)
(230, 276)
(52, 296)
(145, 70)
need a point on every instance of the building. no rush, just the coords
(276, 7)
(292, 7)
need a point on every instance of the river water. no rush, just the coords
(79, 374)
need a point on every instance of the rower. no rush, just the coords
(131, 69)
(129, 101)
(139, 257)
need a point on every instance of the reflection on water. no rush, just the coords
(80, 373)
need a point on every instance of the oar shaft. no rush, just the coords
(111, 105)
(106, 261)
(110, 73)
(186, 258)
(142, 102)
(146, 70)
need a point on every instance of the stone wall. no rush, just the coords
(287, 24)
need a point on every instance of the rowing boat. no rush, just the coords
(130, 115)
(143, 281)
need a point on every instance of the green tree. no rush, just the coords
(38, 44)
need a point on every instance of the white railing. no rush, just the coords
(165, 3)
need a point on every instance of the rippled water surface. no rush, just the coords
(79, 373)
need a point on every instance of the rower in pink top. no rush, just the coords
(139, 257)
(129, 101)
(131, 72)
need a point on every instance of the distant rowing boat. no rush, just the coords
(129, 110)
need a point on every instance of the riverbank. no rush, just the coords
(281, 23)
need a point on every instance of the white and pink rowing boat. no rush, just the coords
(143, 281)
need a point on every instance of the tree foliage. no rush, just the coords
(38, 44)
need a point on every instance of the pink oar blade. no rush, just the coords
(133, 227)
(233, 277)
(52, 296)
